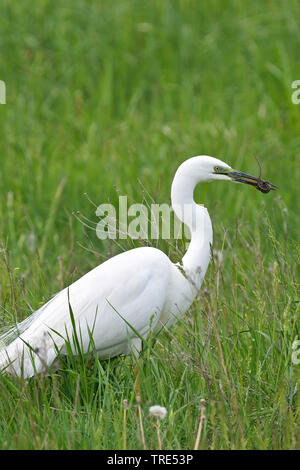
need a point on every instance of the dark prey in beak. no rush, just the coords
(263, 186)
(260, 184)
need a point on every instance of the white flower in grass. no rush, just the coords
(160, 412)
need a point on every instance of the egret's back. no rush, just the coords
(117, 298)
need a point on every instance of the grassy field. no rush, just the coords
(101, 94)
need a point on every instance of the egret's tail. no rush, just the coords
(26, 350)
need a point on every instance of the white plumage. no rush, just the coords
(125, 294)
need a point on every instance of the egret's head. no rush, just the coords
(213, 169)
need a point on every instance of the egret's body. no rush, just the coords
(126, 294)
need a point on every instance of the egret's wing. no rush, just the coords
(113, 301)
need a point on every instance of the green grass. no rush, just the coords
(99, 95)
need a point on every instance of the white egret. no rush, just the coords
(119, 299)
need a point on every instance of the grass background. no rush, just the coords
(99, 95)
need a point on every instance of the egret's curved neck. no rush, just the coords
(196, 217)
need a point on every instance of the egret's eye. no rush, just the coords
(221, 170)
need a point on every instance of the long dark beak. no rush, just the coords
(262, 185)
